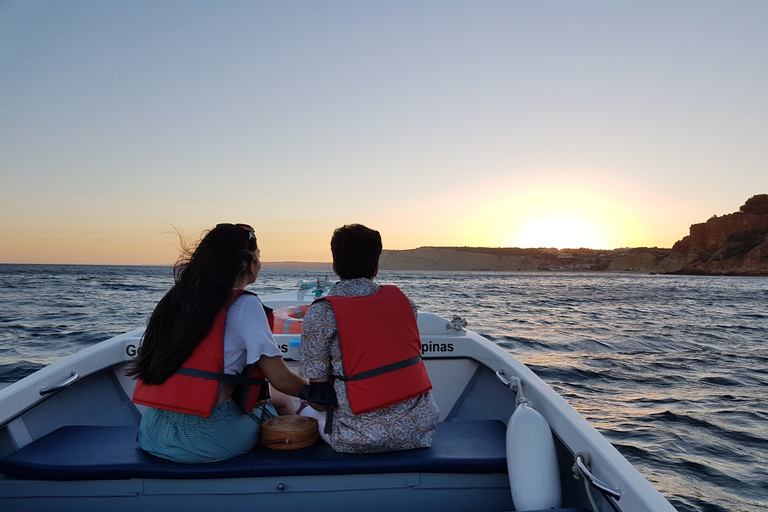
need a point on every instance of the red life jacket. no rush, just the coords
(380, 349)
(194, 388)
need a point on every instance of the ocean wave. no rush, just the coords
(673, 370)
(18, 370)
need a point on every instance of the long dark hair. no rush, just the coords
(204, 279)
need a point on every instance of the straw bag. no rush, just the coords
(289, 432)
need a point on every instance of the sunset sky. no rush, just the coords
(477, 123)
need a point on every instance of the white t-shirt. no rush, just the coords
(247, 336)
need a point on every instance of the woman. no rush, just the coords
(206, 355)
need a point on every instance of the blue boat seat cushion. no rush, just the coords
(108, 453)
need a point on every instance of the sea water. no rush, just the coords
(673, 370)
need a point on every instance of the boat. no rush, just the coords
(505, 441)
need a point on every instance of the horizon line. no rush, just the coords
(312, 264)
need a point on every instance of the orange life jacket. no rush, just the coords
(194, 388)
(380, 349)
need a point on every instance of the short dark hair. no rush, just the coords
(356, 250)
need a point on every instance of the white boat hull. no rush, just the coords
(462, 365)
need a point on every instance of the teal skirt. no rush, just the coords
(191, 439)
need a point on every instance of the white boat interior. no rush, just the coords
(68, 442)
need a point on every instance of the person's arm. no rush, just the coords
(314, 405)
(318, 328)
(280, 376)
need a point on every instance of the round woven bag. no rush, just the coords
(289, 432)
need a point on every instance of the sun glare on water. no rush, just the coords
(560, 233)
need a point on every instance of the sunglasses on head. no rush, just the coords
(249, 229)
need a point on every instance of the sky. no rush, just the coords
(540, 123)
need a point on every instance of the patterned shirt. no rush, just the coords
(409, 424)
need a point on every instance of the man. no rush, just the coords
(363, 340)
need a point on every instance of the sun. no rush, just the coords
(560, 232)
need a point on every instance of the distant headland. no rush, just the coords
(733, 244)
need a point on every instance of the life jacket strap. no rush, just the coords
(221, 377)
(381, 370)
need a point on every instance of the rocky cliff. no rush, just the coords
(734, 244)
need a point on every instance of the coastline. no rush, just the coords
(640, 260)
(731, 245)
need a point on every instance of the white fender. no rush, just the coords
(534, 478)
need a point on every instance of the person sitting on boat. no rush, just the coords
(364, 341)
(208, 356)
